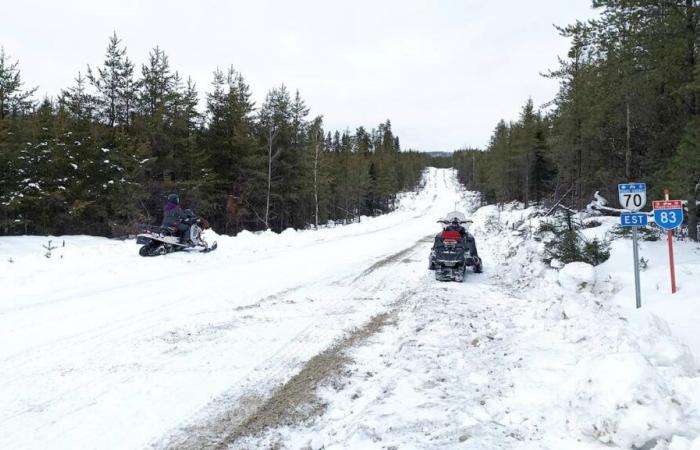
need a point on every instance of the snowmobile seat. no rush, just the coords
(451, 235)
(170, 230)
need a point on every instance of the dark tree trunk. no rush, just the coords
(689, 57)
(693, 209)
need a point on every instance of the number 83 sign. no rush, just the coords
(668, 214)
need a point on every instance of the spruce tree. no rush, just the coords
(114, 85)
(14, 100)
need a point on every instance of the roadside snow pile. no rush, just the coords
(635, 383)
(680, 310)
(506, 233)
(577, 276)
(622, 399)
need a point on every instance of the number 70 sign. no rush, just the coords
(633, 196)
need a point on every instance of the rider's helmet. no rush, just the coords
(174, 198)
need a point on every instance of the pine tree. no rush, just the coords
(13, 100)
(114, 84)
(685, 173)
(229, 147)
(77, 100)
(275, 129)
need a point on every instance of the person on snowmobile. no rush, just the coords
(173, 216)
(467, 238)
(454, 225)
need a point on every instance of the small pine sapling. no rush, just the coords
(49, 248)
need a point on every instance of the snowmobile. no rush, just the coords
(159, 240)
(454, 250)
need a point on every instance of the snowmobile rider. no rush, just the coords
(455, 225)
(173, 215)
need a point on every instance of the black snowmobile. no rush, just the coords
(160, 240)
(454, 250)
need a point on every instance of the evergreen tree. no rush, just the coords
(104, 155)
(13, 100)
(114, 85)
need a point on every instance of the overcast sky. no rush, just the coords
(444, 72)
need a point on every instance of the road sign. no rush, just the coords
(634, 219)
(668, 214)
(633, 196)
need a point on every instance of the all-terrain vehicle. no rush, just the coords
(454, 250)
(160, 240)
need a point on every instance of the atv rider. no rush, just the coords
(173, 216)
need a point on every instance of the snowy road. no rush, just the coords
(337, 338)
(102, 348)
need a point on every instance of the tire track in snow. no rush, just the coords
(244, 410)
(414, 349)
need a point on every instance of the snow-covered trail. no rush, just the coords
(105, 349)
(509, 359)
(332, 339)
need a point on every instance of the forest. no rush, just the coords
(102, 156)
(627, 110)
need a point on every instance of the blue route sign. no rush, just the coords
(668, 219)
(634, 219)
(631, 188)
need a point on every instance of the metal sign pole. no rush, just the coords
(633, 197)
(636, 267)
(671, 262)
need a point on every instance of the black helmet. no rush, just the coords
(173, 198)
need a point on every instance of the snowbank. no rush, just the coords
(636, 380)
(622, 399)
(577, 277)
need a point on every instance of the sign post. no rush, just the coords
(633, 197)
(668, 215)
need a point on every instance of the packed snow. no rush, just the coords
(347, 329)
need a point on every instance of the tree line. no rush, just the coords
(102, 156)
(627, 109)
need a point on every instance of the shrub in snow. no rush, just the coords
(49, 248)
(566, 248)
(595, 252)
(621, 399)
(577, 276)
(563, 242)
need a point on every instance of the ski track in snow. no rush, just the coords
(337, 338)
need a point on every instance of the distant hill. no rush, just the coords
(440, 154)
